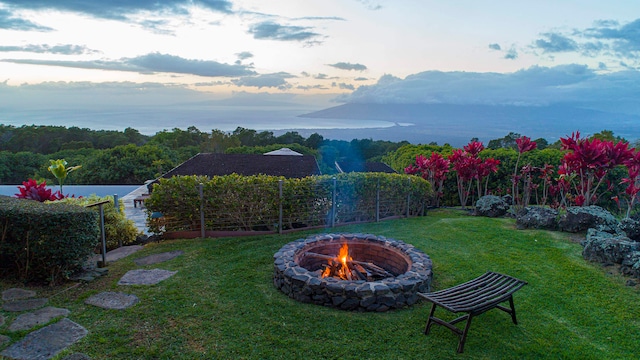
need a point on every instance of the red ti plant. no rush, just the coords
(433, 169)
(633, 181)
(524, 144)
(32, 190)
(587, 162)
(488, 166)
(469, 167)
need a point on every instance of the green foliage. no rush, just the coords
(60, 170)
(129, 164)
(44, 241)
(248, 203)
(118, 229)
(264, 149)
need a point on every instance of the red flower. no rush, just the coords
(525, 144)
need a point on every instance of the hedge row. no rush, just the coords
(249, 203)
(44, 241)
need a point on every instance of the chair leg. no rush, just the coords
(429, 321)
(513, 311)
(463, 337)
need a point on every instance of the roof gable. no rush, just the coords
(209, 164)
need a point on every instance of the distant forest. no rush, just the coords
(128, 157)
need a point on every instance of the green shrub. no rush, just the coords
(250, 203)
(117, 227)
(44, 241)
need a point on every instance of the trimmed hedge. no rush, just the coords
(117, 227)
(44, 241)
(252, 203)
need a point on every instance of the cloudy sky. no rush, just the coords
(313, 51)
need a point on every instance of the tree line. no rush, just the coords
(128, 157)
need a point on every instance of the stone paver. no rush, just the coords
(1, 320)
(38, 317)
(17, 294)
(158, 258)
(24, 305)
(112, 300)
(76, 356)
(45, 343)
(145, 277)
(4, 339)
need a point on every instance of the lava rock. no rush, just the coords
(491, 206)
(581, 218)
(537, 218)
(631, 228)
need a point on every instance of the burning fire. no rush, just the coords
(344, 267)
(343, 258)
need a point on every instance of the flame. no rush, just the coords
(341, 261)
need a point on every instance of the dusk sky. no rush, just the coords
(84, 52)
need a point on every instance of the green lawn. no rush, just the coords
(222, 303)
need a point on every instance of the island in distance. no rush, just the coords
(457, 124)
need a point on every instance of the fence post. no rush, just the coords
(333, 202)
(408, 196)
(202, 225)
(280, 207)
(378, 201)
(116, 204)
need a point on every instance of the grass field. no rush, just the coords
(222, 303)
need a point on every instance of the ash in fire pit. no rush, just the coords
(352, 272)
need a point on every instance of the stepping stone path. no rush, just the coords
(38, 317)
(48, 341)
(145, 277)
(112, 300)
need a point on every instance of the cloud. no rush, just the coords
(533, 86)
(311, 87)
(343, 86)
(625, 39)
(321, 76)
(619, 42)
(275, 80)
(244, 55)
(371, 5)
(360, 79)
(511, 54)
(119, 9)
(47, 49)
(495, 47)
(554, 43)
(269, 30)
(151, 63)
(9, 22)
(348, 66)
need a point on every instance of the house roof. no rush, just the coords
(210, 164)
(283, 151)
(355, 166)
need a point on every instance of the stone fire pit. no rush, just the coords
(298, 274)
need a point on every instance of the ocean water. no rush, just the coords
(150, 120)
(79, 190)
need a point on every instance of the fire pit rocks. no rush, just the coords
(384, 273)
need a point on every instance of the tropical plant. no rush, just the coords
(60, 170)
(587, 162)
(433, 169)
(33, 190)
(524, 144)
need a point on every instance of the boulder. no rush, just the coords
(607, 248)
(581, 218)
(533, 217)
(491, 206)
(631, 228)
(631, 264)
